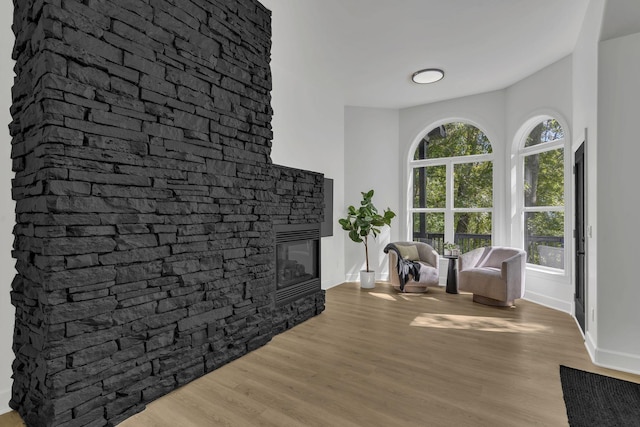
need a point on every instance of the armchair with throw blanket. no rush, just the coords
(413, 266)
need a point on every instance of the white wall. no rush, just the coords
(618, 152)
(547, 92)
(308, 120)
(7, 208)
(585, 128)
(371, 156)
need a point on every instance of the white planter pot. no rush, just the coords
(367, 279)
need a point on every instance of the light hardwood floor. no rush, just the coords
(379, 358)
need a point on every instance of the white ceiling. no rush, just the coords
(373, 46)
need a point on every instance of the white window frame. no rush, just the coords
(523, 152)
(449, 210)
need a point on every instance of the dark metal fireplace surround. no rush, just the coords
(297, 261)
(146, 202)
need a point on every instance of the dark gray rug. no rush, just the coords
(597, 400)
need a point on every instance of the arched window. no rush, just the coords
(542, 197)
(452, 181)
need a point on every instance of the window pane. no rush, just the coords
(472, 230)
(452, 140)
(544, 179)
(429, 228)
(547, 131)
(544, 238)
(473, 185)
(430, 187)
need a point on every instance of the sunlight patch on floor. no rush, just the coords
(413, 296)
(382, 296)
(476, 323)
(405, 297)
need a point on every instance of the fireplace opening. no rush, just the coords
(297, 261)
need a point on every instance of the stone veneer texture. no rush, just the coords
(144, 193)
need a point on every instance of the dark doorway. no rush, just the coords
(580, 235)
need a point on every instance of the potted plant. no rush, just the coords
(361, 223)
(451, 249)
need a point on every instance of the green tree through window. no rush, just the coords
(452, 172)
(543, 196)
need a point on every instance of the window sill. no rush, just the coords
(547, 270)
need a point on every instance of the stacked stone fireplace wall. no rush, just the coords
(299, 195)
(145, 201)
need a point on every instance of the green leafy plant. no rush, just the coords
(365, 221)
(450, 246)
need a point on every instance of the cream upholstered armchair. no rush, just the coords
(495, 274)
(427, 259)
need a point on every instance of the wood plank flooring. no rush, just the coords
(379, 358)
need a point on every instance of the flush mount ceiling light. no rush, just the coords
(429, 75)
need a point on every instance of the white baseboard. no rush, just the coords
(5, 397)
(326, 284)
(546, 301)
(384, 277)
(590, 345)
(619, 361)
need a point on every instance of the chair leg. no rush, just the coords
(490, 301)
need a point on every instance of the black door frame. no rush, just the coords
(580, 235)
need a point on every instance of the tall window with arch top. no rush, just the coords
(452, 183)
(543, 194)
